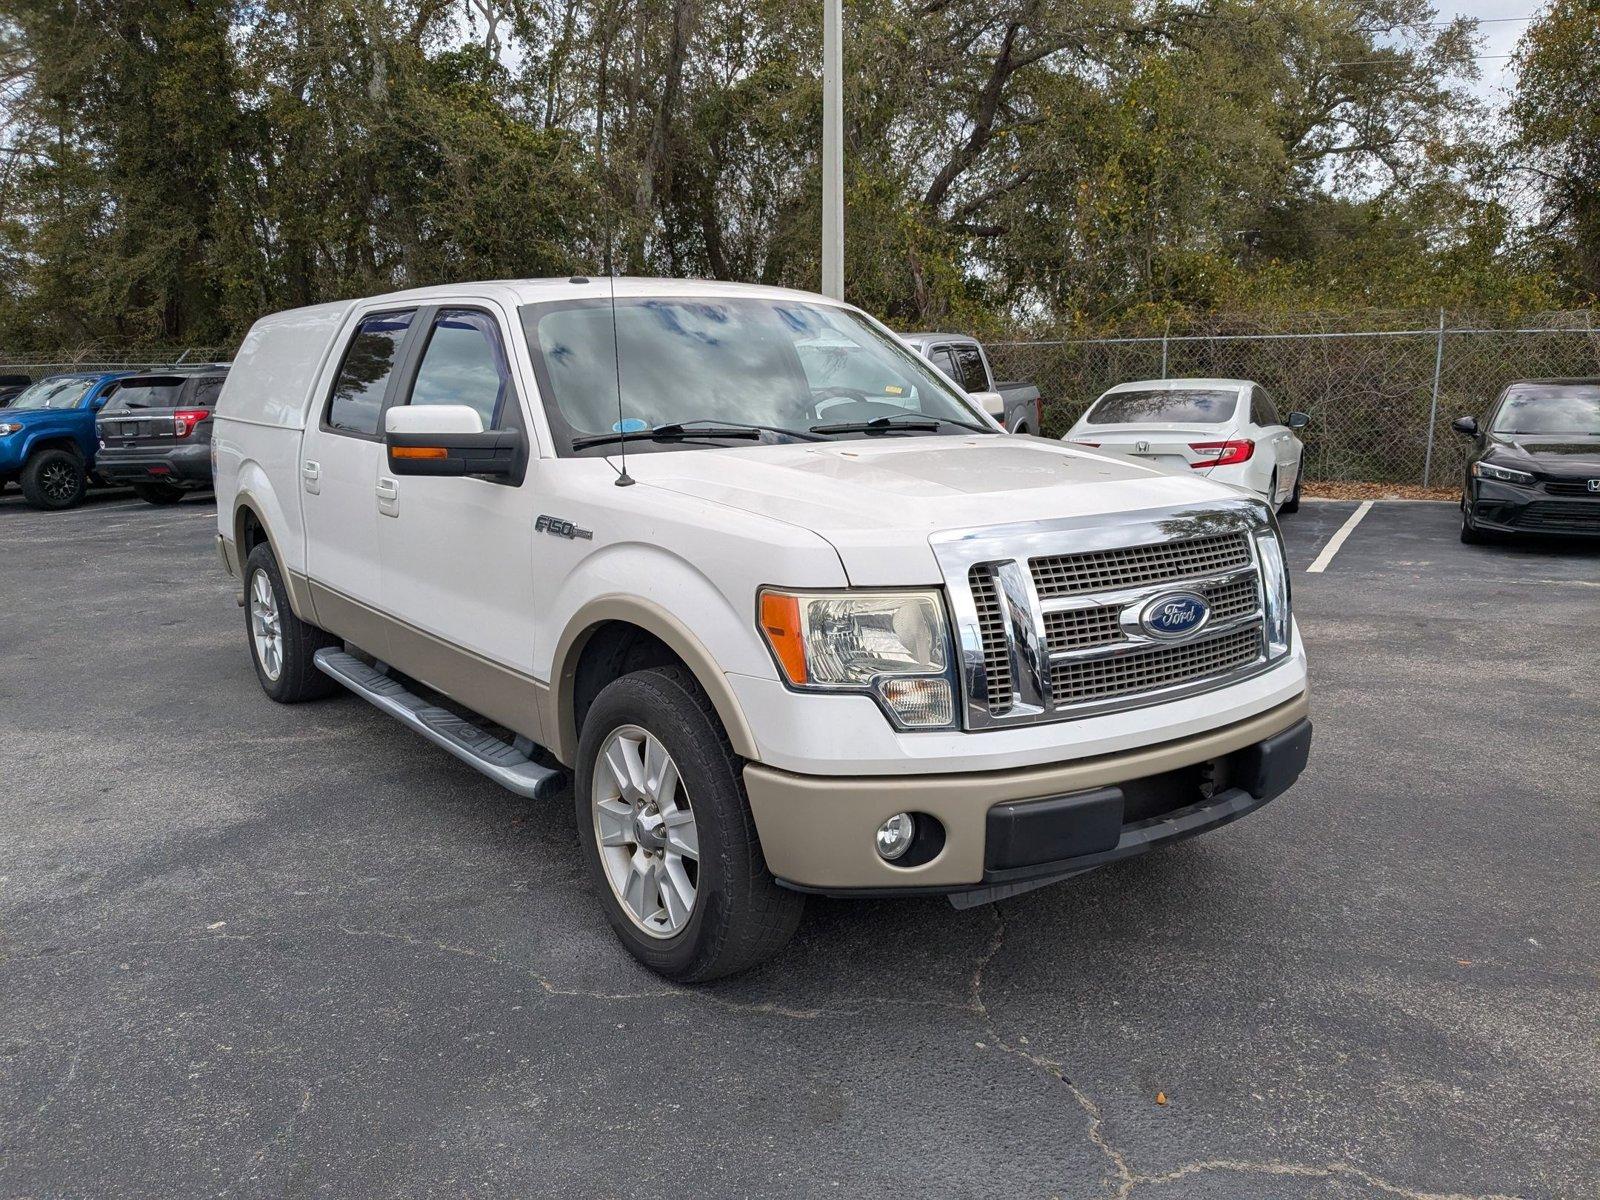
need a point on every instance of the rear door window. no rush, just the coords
(465, 363)
(356, 403)
(206, 392)
(972, 376)
(1262, 410)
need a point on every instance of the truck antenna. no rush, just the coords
(623, 478)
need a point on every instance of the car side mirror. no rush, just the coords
(1298, 421)
(449, 439)
(992, 403)
(1466, 425)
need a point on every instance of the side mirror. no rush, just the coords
(1298, 421)
(992, 403)
(1466, 425)
(449, 439)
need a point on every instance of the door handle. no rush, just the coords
(311, 472)
(388, 491)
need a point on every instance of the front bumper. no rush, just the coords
(1512, 508)
(1002, 829)
(187, 466)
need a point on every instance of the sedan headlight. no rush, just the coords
(9, 427)
(894, 646)
(1485, 470)
(1275, 590)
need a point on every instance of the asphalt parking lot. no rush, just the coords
(253, 950)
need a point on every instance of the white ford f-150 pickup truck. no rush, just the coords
(794, 613)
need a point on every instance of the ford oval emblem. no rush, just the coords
(1175, 614)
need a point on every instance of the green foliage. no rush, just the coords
(1555, 144)
(173, 170)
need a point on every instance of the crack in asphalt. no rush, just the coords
(1127, 1178)
(284, 1136)
(553, 989)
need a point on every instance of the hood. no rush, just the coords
(34, 416)
(1575, 455)
(878, 501)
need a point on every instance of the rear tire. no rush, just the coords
(1292, 504)
(158, 493)
(737, 915)
(281, 644)
(54, 480)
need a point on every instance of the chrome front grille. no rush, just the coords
(1076, 681)
(992, 629)
(1079, 627)
(1127, 566)
(1233, 598)
(1051, 616)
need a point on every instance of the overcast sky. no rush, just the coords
(1499, 36)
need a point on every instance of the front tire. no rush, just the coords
(1471, 535)
(54, 480)
(158, 493)
(281, 644)
(666, 829)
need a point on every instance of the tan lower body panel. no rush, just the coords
(817, 831)
(508, 697)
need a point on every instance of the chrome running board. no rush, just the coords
(507, 765)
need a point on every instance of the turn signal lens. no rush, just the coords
(1224, 454)
(419, 452)
(780, 621)
(920, 702)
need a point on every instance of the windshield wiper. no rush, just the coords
(677, 431)
(897, 425)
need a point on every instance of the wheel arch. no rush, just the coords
(611, 635)
(55, 440)
(250, 527)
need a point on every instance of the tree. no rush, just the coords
(1555, 139)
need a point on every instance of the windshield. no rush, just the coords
(1550, 408)
(784, 365)
(53, 393)
(1175, 406)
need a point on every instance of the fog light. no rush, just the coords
(894, 836)
(924, 703)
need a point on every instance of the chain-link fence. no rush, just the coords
(103, 358)
(1380, 401)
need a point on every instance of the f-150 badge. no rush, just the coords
(566, 529)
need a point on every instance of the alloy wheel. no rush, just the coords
(266, 626)
(645, 829)
(58, 481)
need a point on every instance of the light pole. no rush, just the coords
(832, 152)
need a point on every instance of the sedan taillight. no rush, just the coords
(1222, 454)
(185, 420)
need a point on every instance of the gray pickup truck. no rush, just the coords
(1019, 407)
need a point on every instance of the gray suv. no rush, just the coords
(155, 431)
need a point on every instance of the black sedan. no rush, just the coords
(1535, 462)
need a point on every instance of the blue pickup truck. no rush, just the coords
(48, 440)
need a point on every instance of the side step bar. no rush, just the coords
(506, 765)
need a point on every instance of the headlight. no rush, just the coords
(1275, 589)
(1485, 470)
(9, 427)
(891, 645)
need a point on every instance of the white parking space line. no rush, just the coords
(1320, 563)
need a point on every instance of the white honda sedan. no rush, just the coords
(1227, 428)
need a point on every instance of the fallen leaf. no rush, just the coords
(1161, 1098)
